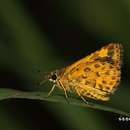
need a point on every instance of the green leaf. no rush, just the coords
(12, 93)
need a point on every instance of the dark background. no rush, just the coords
(49, 34)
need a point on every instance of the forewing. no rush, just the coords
(97, 75)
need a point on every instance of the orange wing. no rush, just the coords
(97, 75)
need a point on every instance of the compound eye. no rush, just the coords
(54, 77)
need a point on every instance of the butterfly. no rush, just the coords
(95, 76)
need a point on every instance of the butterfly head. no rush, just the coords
(52, 76)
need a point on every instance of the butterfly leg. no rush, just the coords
(66, 96)
(51, 90)
(81, 97)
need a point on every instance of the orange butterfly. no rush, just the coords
(95, 76)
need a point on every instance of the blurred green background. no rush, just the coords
(49, 34)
